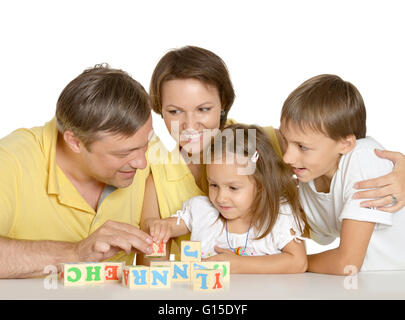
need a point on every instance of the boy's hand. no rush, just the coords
(160, 230)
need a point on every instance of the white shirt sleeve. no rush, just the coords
(282, 228)
(362, 165)
(197, 213)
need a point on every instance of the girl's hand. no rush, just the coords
(160, 230)
(226, 255)
(388, 189)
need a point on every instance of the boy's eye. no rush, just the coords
(302, 147)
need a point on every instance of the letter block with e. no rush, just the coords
(190, 251)
(112, 271)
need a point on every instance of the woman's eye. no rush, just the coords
(234, 188)
(204, 109)
(174, 112)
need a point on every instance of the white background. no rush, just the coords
(270, 47)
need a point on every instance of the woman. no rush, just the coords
(192, 91)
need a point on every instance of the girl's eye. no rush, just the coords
(213, 185)
(302, 147)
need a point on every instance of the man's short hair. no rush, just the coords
(327, 104)
(102, 99)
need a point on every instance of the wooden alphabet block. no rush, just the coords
(160, 277)
(224, 266)
(190, 251)
(208, 280)
(162, 263)
(180, 271)
(201, 265)
(73, 274)
(159, 250)
(84, 273)
(113, 271)
(136, 277)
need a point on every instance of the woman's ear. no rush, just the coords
(347, 144)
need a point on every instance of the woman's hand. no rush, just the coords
(388, 190)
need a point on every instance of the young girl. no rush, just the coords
(252, 217)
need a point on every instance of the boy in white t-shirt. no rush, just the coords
(323, 125)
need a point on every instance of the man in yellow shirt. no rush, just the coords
(72, 190)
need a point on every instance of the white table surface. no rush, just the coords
(370, 285)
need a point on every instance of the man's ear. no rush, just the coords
(72, 141)
(347, 144)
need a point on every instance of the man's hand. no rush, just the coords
(387, 191)
(111, 238)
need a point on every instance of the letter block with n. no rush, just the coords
(160, 277)
(181, 271)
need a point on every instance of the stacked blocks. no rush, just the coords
(202, 275)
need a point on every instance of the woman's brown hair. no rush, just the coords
(273, 179)
(193, 63)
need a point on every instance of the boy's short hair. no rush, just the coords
(192, 62)
(102, 99)
(327, 104)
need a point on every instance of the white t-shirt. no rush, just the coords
(201, 218)
(326, 211)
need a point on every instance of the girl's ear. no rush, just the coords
(347, 144)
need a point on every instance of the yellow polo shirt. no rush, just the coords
(38, 201)
(174, 182)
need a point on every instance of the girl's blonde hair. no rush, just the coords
(272, 177)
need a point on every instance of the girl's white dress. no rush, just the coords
(201, 218)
